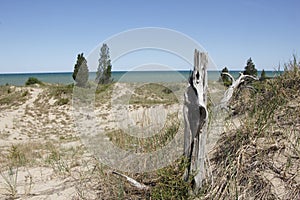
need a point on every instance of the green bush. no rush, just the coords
(33, 80)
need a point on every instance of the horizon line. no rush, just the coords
(179, 70)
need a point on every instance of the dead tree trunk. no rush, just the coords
(195, 117)
(229, 92)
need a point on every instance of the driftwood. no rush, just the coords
(133, 182)
(195, 117)
(235, 84)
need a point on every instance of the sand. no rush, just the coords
(40, 126)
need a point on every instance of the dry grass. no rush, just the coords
(261, 159)
(11, 96)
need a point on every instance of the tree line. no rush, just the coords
(248, 70)
(103, 74)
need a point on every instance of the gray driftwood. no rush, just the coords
(195, 117)
(235, 84)
(133, 182)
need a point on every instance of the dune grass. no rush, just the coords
(261, 159)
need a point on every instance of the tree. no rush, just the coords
(103, 74)
(250, 68)
(81, 71)
(224, 78)
(263, 75)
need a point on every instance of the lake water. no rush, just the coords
(121, 76)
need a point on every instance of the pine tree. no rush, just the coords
(224, 78)
(250, 68)
(263, 75)
(103, 74)
(81, 71)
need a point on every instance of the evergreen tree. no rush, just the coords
(263, 75)
(81, 71)
(224, 78)
(103, 74)
(250, 68)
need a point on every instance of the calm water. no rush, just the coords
(132, 76)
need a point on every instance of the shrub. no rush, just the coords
(33, 80)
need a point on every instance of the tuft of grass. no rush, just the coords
(149, 144)
(62, 93)
(153, 93)
(10, 180)
(62, 101)
(10, 96)
(170, 184)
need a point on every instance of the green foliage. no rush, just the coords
(250, 68)
(263, 75)
(103, 74)
(170, 184)
(33, 80)
(224, 78)
(81, 71)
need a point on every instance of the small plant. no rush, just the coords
(32, 81)
(62, 101)
(25, 93)
(10, 181)
(170, 184)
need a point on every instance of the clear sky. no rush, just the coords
(41, 36)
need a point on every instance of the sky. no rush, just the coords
(46, 36)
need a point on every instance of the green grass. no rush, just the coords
(153, 93)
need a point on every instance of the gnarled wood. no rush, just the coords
(235, 83)
(195, 117)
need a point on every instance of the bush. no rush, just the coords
(62, 101)
(33, 80)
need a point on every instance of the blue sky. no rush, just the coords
(41, 36)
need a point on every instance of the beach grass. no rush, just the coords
(259, 159)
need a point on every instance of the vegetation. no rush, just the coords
(263, 75)
(224, 78)
(103, 74)
(153, 93)
(261, 158)
(250, 68)
(10, 96)
(32, 81)
(81, 71)
(149, 144)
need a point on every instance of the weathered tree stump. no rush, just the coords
(235, 84)
(195, 117)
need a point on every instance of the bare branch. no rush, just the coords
(230, 76)
(133, 182)
(235, 83)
